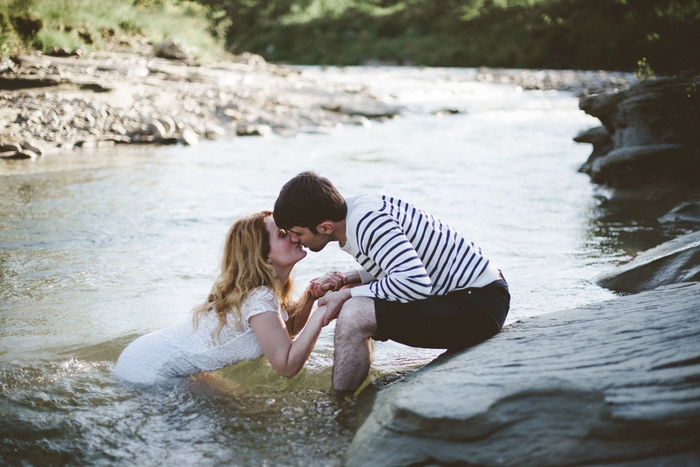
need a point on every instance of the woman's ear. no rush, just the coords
(325, 227)
(268, 260)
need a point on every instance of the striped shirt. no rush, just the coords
(407, 254)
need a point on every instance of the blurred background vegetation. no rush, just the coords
(651, 36)
(101, 24)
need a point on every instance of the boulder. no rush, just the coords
(174, 50)
(652, 146)
(672, 262)
(613, 383)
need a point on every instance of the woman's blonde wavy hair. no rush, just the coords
(244, 268)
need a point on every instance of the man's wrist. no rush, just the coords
(347, 294)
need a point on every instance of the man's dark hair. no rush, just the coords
(308, 200)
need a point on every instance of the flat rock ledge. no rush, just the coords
(613, 383)
(675, 261)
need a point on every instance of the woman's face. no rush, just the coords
(284, 254)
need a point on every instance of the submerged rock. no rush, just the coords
(675, 261)
(613, 383)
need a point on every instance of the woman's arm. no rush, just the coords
(318, 288)
(297, 322)
(286, 356)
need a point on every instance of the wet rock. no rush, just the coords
(168, 124)
(360, 120)
(11, 147)
(153, 139)
(18, 155)
(214, 131)
(672, 262)
(253, 130)
(189, 137)
(374, 110)
(685, 213)
(157, 129)
(612, 383)
(12, 84)
(655, 143)
(602, 144)
(443, 112)
(27, 146)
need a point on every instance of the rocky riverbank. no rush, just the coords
(58, 103)
(158, 95)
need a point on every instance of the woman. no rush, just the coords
(249, 312)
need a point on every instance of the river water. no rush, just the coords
(97, 248)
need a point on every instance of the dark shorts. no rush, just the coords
(454, 321)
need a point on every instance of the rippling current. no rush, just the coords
(98, 248)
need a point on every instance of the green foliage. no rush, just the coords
(586, 34)
(84, 23)
(644, 71)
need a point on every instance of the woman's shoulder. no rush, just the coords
(260, 300)
(261, 293)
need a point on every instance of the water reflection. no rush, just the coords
(624, 228)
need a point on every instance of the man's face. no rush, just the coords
(312, 241)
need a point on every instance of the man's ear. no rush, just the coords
(325, 227)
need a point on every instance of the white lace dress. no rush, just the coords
(180, 350)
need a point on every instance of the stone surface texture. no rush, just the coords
(655, 149)
(675, 261)
(612, 383)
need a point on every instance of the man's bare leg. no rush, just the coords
(353, 348)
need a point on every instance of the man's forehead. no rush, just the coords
(296, 230)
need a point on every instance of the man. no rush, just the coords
(420, 282)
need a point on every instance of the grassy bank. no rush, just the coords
(580, 34)
(97, 24)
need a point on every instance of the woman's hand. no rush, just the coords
(330, 281)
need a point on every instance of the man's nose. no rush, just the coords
(293, 237)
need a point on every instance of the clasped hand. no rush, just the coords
(329, 282)
(326, 289)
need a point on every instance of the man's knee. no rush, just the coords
(357, 316)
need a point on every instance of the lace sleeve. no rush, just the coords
(259, 300)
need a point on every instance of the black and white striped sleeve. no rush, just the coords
(382, 241)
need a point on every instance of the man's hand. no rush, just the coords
(334, 302)
(331, 281)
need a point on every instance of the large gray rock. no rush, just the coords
(653, 127)
(614, 383)
(675, 261)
